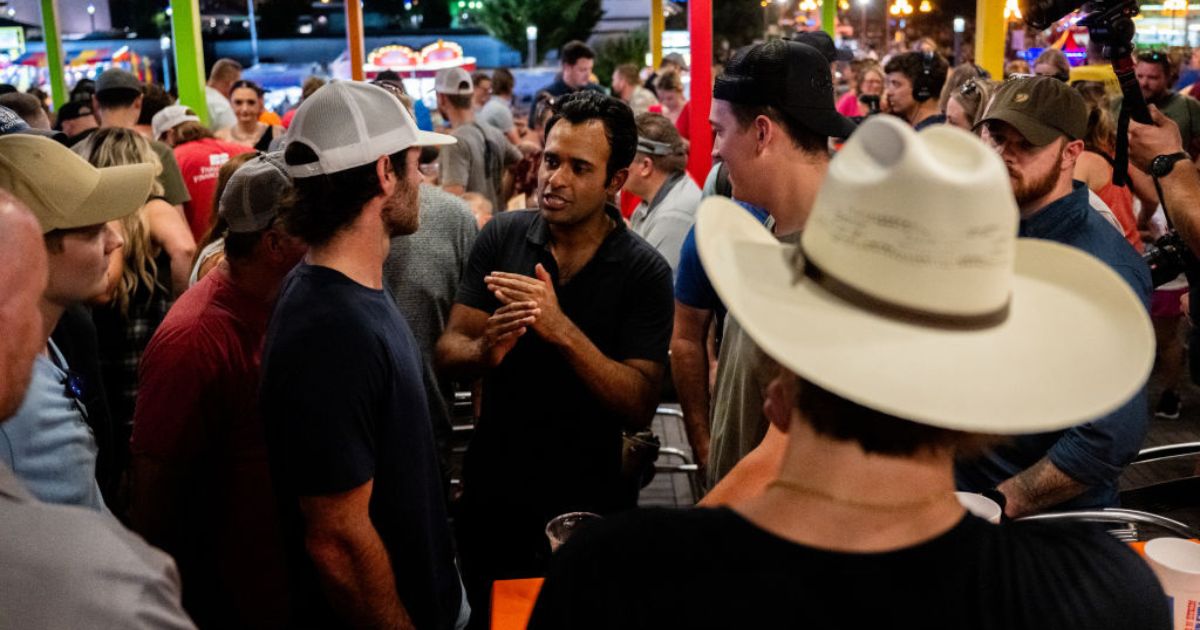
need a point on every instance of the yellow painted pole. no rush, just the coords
(657, 24)
(354, 38)
(991, 30)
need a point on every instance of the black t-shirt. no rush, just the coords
(544, 444)
(344, 403)
(714, 569)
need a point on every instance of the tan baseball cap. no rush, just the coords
(1041, 108)
(63, 190)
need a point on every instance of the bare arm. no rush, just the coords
(630, 388)
(351, 560)
(1040, 486)
(689, 368)
(455, 189)
(170, 230)
(1180, 187)
(749, 478)
(475, 342)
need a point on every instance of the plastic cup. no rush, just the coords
(561, 527)
(1176, 562)
(981, 506)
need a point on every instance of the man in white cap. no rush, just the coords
(60, 566)
(199, 482)
(909, 327)
(348, 431)
(477, 161)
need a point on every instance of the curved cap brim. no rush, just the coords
(1076, 345)
(431, 139)
(122, 190)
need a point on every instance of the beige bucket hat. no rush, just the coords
(911, 294)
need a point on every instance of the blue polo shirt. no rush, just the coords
(1094, 453)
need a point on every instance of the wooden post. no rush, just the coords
(354, 38)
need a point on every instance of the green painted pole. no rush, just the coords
(829, 16)
(189, 56)
(54, 52)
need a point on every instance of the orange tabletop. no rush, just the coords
(512, 602)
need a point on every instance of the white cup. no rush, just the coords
(1176, 562)
(980, 506)
(560, 528)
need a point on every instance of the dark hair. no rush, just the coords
(320, 206)
(912, 65)
(877, 432)
(802, 138)
(659, 128)
(1161, 58)
(83, 90)
(669, 81)
(480, 76)
(244, 83)
(154, 100)
(312, 84)
(27, 106)
(575, 50)
(388, 75)
(117, 98)
(619, 125)
(543, 108)
(429, 155)
(502, 82)
(240, 245)
(459, 101)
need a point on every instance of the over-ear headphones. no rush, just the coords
(923, 88)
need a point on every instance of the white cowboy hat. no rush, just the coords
(915, 298)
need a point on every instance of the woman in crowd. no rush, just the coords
(959, 75)
(965, 105)
(1053, 63)
(247, 100)
(1094, 166)
(868, 81)
(142, 280)
(670, 94)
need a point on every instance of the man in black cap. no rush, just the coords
(118, 101)
(76, 119)
(773, 115)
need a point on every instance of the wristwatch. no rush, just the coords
(1162, 165)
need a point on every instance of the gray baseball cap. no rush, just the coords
(117, 79)
(251, 199)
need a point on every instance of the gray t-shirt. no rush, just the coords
(63, 567)
(497, 113)
(422, 271)
(743, 373)
(665, 221)
(478, 160)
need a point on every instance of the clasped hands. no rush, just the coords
(525, 303)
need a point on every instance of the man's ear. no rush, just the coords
(618, 181)
(1071, 153)
(386, 172)
(780, 400)
(764, 128)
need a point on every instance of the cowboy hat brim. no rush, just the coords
(1076, 344)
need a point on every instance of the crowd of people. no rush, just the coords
(232, 357)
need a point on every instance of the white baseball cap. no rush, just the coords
(453, 81)
(349, 124)
(170, 117)
(911, 294)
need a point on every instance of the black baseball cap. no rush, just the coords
(824, 43)
(74, 109)
(790, 76)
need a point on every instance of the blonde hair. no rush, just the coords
(115, 146)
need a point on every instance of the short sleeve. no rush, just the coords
(512, 154)
(472, 291)
(320, 404)
(454, 164)
(502, 119)
(649, 312)
(171, 178)
(692, 287)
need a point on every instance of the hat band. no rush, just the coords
(899, 312)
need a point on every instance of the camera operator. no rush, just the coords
(1158, 149)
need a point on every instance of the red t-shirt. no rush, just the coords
(200, 477)
(287, 118)
(200, 161)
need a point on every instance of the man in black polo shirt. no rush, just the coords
(567, 316)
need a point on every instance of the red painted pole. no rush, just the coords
(700, 27)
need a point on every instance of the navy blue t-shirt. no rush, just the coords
(343, 402)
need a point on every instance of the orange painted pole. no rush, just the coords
(354, 38)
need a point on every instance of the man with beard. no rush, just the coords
(1155, 72)
(566, 315)
(348, 431)
(1037, 125)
